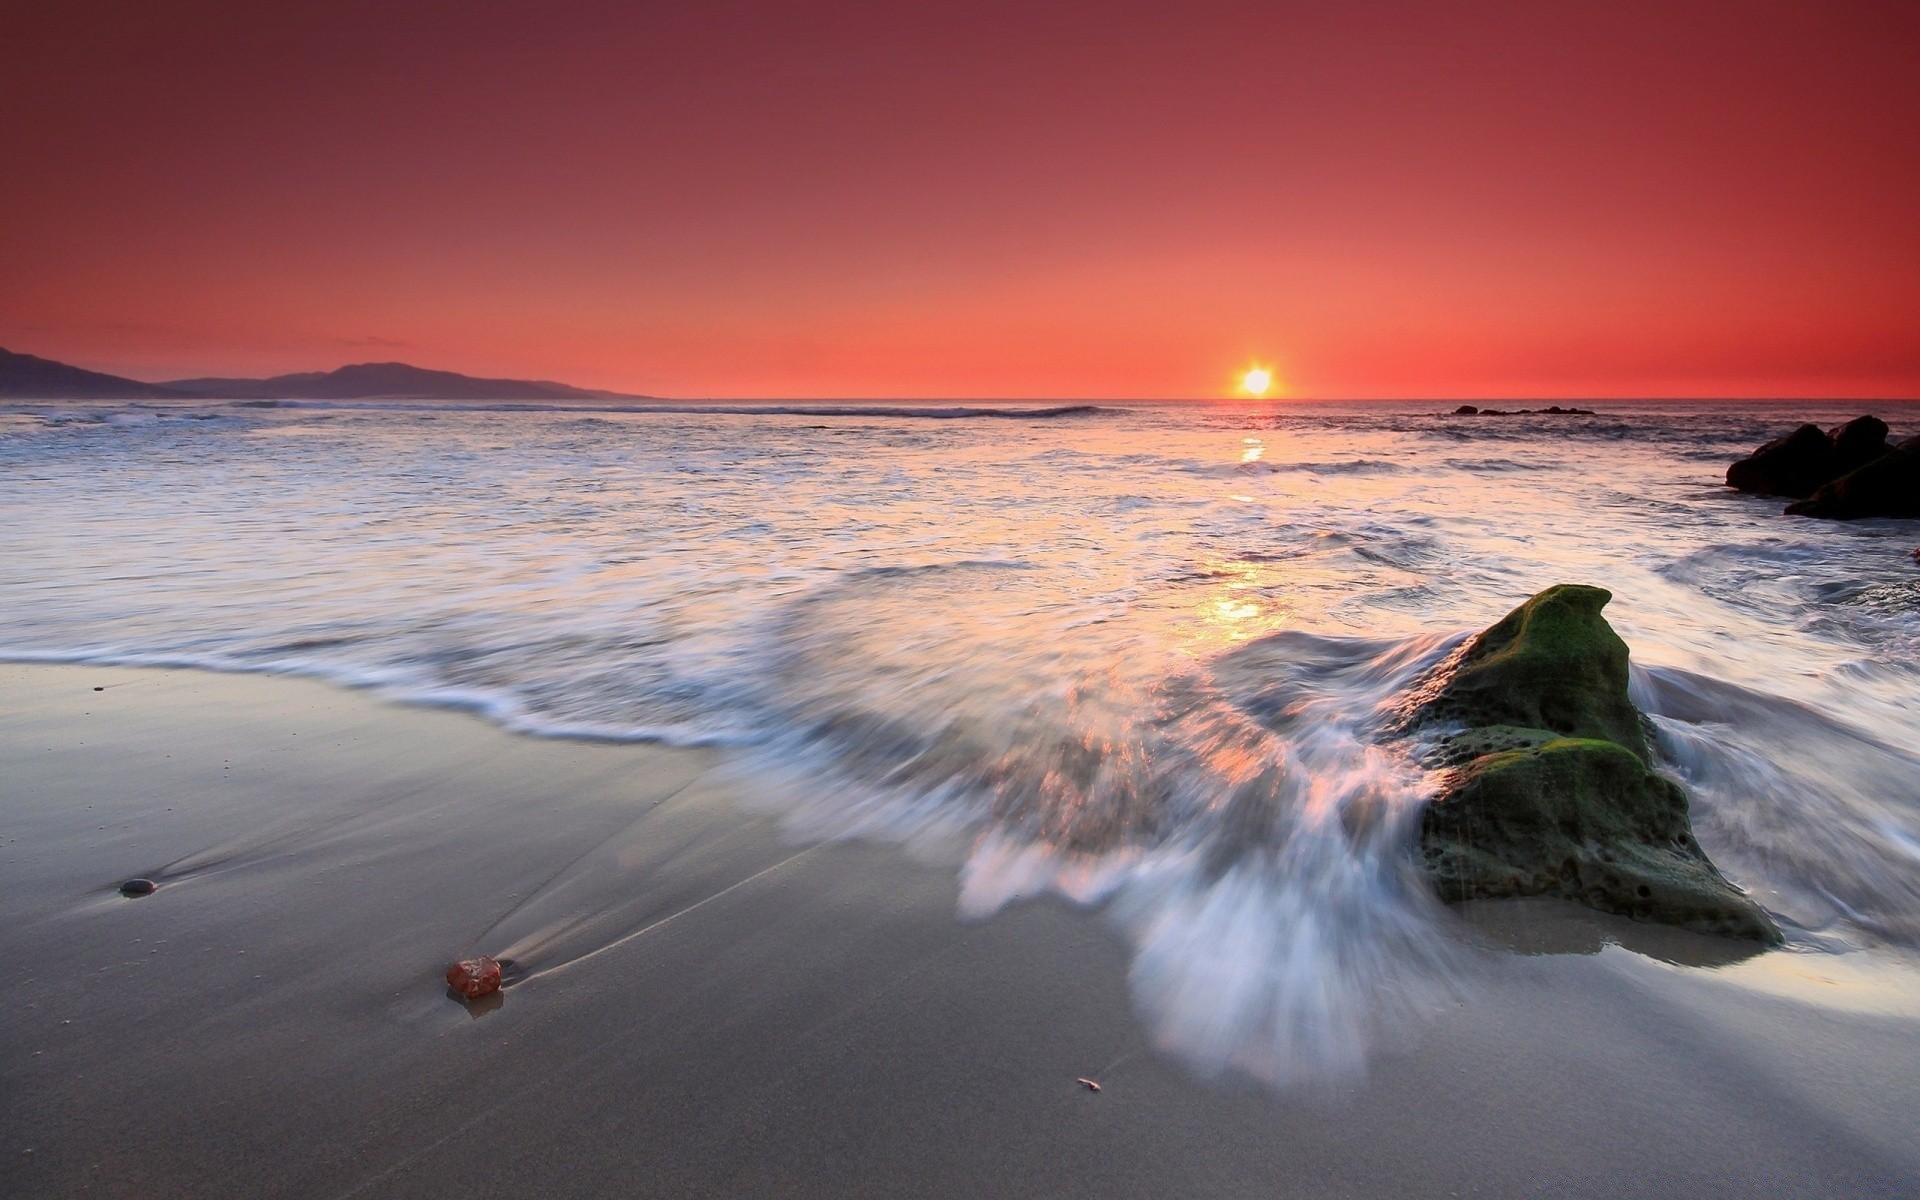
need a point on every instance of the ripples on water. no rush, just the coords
(1135, 655)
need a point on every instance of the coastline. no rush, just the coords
(753, 1016)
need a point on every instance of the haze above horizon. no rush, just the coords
(753, 200)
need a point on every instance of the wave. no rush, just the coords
(1230, 470)
(1356, 466)
(1482, 465)
(1819, 819)
(503, 706)
(1234, 816)
(1237, 819)
(134, 417)
(1243, 818)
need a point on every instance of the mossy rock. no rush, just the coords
(1550, 791)
(1459, 749)
(1583, 819)
(1552, 664)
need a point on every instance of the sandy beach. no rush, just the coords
(754, 1016)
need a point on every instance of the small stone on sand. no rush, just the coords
(474, 977)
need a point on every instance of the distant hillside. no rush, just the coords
(26, 377)
(387, 381)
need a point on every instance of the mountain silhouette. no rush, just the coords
(386, 381)
(25, 376)
(29, 377)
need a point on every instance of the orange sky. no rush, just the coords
(858, 200)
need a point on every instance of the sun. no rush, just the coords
(1256, 381)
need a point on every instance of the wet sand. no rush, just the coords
(709, 1009)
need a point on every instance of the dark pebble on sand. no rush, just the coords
(473, 978)
(99, 689)
(138, 887)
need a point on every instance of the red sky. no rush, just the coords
(982, 199)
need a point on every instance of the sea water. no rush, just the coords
(1136, 655)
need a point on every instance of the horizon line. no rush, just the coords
(893, 398)
(611, 396)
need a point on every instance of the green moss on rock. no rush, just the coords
(1553, 664)
(1583, 819)
(1459, 749)
(1550, 792)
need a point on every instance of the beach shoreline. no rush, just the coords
(709, 1007)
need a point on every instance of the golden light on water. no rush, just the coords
(1257, 381)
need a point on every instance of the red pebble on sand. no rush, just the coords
(474, 977)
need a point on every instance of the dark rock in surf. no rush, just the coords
(1554, 410)
(1800, 463)
(1790, 466)
(1550, 791)
(1859, 442)
(1889, 486)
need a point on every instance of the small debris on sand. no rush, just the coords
(474, 977)
(1088, 1084)
(138, 887)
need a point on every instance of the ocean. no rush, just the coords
(1133, 656)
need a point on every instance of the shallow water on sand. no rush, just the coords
(1133, 654)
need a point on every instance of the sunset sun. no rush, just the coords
(1256, 381)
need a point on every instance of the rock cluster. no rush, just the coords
(1472, 410)
(1550, 791)
(1845, 473)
